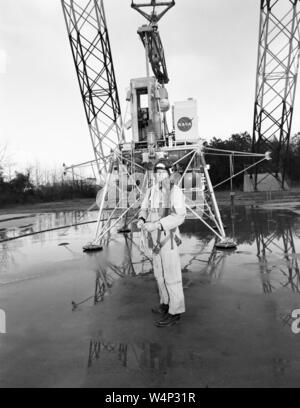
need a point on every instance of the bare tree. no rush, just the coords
(6, 163)
(3, 150)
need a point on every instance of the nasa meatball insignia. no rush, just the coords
(184, 124)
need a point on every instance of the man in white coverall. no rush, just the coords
(162, 211)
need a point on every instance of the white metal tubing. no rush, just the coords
(130, 161)
(210, 215)
(187, 167)
(122, 215)
(130, 175)
(103, 196)
(186, 155)
(201, 219)
(107, 221)
(213, 217)
(117, 220)
(234, 152)
(80, 218)
(212, 194)
(146, 51)
(242, 171)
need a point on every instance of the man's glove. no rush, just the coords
(140, 223)
(157, 248)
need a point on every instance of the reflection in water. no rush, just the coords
(279, 237)
(197, 259)
(280, 366)
(286, 319)
(103, 282)
(212, 258)
(132, 263)
(66, 246)
(109, 265)
(41, 222)
(151, 356)
(270, 246)
(216, 262)
(26, 258)
(271, 238)
(6, 257)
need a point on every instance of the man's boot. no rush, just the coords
(168, 320)
(162, 309)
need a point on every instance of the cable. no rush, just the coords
(234, 152)
(47, 230)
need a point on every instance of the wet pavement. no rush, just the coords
(84, 320)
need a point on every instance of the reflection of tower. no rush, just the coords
(103, 282)
(138, 262)
(107, 269)
(195, 259)
(293, 274)
(128, 267)
(280, 239)
(5, 256)
(214, 265)
(101, 285)
(132, 262)
(98, 347)
(155, 358)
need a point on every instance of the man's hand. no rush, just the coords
(151, 226)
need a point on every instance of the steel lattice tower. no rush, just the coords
(90, 45)
(277, 70)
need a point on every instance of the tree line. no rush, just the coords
(31, 187)
(220, 165)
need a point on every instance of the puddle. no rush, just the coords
(140, 356)
(268, 249)
(66, 286)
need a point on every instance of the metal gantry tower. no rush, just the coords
(150, 35)
(90, 45)
(126, 167)
(277, 70)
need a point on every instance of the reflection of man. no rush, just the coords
(162, 211)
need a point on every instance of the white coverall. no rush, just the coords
(168, 207)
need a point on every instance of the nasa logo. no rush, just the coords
(184, 124)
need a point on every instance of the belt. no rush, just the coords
(160, 244)
(156, 210)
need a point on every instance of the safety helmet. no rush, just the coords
(163, 164)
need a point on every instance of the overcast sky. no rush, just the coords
(211, 52)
